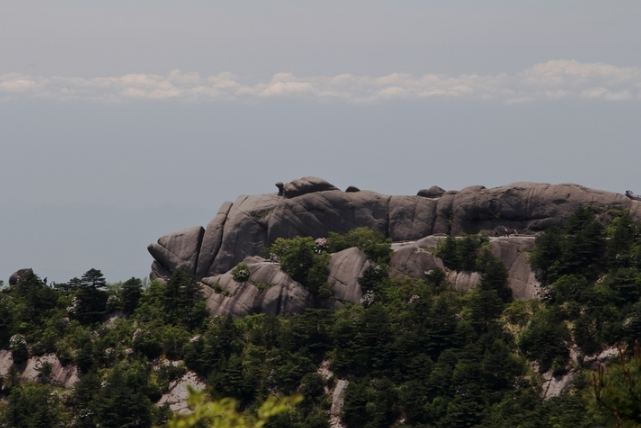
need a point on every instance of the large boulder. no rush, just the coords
(410, 217)
(528, 207)
(432, 192)
(212, 240)
(313, 207)
(14, 279)
(317, 214)
(269, 290)
(305, 185)
(414, 262)
(60, 375)
(415, 259)
(345, 267)
(513, 252)
(178, 250)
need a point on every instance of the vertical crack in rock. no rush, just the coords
(212, 240)
(433, 214)
(199, 245)
(388, 231)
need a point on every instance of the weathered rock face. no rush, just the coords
(15, 277)
(345, 267)
(269, 290)
(179, 250)
(306, 185)
(528, 207)
(513, 251)
(60, 375)
(313, 207)
(414, 262)
(432, 192)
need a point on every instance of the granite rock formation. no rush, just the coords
(14, 279)
(313, 207)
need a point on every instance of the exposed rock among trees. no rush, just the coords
(414, 261)
(179, 250)
(45, 369)
(511, 215)
(15, 277)
(345, 267)
(268, 290)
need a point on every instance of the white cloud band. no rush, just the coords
(546, 81)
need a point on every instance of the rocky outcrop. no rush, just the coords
(306, 185)
(528, 207)
(212, 240)
(513, 251)
(414, 261)
(432, 192)
(269, 290)
(176, 397)
(245, 232)
(313, 207)
(592, 362)
(345, 267)
(179, 250)
(32, 370)
(14, 279)
(338, 400)
(410, 217)
(553, 386)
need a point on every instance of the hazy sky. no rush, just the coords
(121, 121)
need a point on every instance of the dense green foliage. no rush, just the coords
(617, 394)
(418, 352)
(223, 413)
(304, 261)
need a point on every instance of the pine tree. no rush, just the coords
(130, 294)
(93, 278)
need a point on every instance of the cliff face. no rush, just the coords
(313, 207)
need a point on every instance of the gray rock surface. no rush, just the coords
(15, 277)
(528, 207)
(245, 230)
(269, 290)
(593, 361)
(316, 214)
(179, 250)
(443, 212)
(415, 258)
(345, 267)
(414, 262)
(463, 281)
(513, 252)
(555, 386)
(306, 185)
(212, 240)
(176, 397)
(65, 376)
(410, 217)
(338, 400)
(432, 192)
(313, 207)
